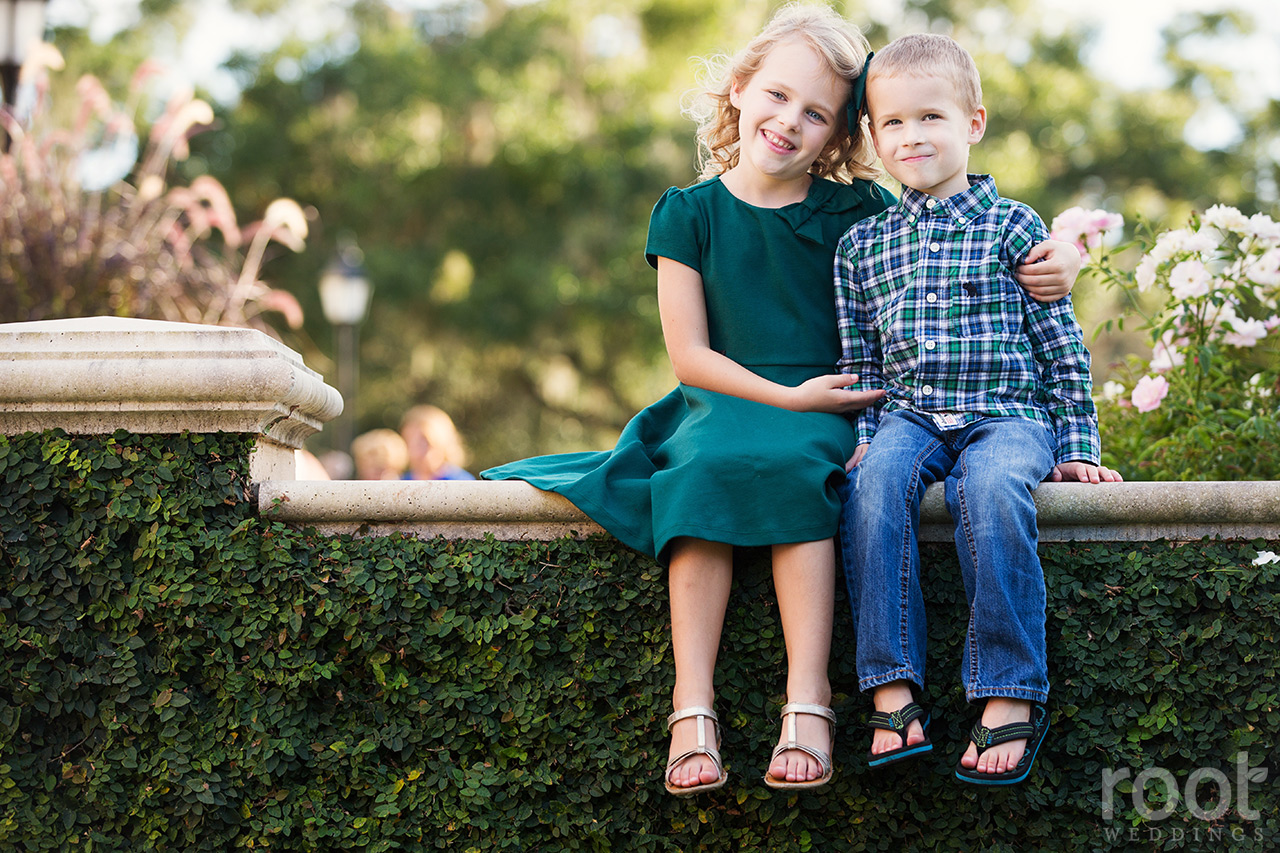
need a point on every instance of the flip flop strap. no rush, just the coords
(984, 738)
(896, 721)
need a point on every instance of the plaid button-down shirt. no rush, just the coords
(930, 311)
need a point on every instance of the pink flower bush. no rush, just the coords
(1188, 280)
(1219, 273)
(1148, 393)
(1208, 295)
(1165, 354)
(1085, 228)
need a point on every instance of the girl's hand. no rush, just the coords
(856, 458)
(1050, 270)
(831, 394)
(1084, 473)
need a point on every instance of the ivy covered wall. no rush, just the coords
(178, 673)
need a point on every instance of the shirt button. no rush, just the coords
(927, 390)
(929, 344)
(935, 246)
(960, 220)
(932, 297)
(931, 203)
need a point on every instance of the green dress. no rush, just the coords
(712, 466)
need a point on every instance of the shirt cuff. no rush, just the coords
(1078, 448)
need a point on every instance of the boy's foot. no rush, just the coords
(887, 699)
(1002, 757)
(697, 769)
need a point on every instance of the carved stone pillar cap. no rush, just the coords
(100, 374)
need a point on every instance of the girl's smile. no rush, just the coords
(777, 141)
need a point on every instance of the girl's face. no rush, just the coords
(790, 109)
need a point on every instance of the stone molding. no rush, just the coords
(455, 509)
(99, 374)
(1112, 512)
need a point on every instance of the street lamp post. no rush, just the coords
(344, 297)
(21, 25)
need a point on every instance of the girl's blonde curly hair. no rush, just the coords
(847, 156)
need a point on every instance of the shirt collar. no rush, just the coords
(963, 207)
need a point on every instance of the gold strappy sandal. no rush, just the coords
(712, 752)
(789, 712)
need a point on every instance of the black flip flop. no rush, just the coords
(985, 738)
(897, 722)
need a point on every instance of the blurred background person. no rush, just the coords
(308, 467)
(435, 448)
(380, 454)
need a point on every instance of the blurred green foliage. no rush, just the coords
(178, 673)
(497, 163)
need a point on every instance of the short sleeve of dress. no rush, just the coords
(675, 231)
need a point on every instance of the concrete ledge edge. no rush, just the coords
(516, 510)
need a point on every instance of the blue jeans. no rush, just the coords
(991, 468)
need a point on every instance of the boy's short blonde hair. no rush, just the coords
(931, 55)
(837, 41)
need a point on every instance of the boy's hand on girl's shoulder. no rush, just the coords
(832, 394)
(1083, 472)
(1049, 270)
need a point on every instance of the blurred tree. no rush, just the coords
(497, 162)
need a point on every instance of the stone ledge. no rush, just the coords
(510, 510)
(513, 510)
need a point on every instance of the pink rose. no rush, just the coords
(1148, 393)
(1083, 227)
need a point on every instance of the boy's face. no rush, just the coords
(921, 132)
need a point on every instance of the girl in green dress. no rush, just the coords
(750, 448)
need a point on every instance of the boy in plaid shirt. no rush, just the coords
(986, 389)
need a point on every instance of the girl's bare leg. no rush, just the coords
(804, 582)
(700, 577)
